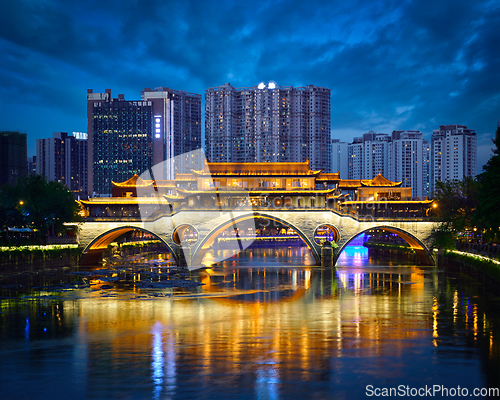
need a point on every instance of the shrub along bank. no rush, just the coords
(15, 254)
(472, 264)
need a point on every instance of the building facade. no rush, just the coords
(133, 136)
(340, 158)
(63, 159)
(268, 123)
(409, 161)
(453, 153)
(403, 157)
(13, 157)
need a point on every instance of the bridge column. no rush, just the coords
(327, 256)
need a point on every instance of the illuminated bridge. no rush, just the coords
(169, 227)
(189, 213)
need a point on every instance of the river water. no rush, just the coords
(264, 325)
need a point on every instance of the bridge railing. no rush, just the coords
(176, 210)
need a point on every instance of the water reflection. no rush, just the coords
(271, 332)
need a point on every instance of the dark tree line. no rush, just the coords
(471, 204)
(38, 204)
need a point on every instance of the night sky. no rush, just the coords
(389, 64)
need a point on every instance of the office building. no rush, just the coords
(453, 153)
(13, 156)
(268, 123)
(63, 159)
(133, 136)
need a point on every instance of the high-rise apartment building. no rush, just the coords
(268, 123)
(453, 153)
(409, 161)
(403, 156)
(355, 155)
(32, 165)
(132, 136)
(340, 161)
(376, 150)
(367, 155)
(13, 156)
(63, 158)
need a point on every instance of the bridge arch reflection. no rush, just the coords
(94, 250)
(207, 243)
(422, 252)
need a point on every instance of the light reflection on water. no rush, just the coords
(276, 330)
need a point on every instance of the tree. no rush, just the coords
(457, 203)
(489, 201)
(11, 214)
(42, 204)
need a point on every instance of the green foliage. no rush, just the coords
(457, 204)
(390, 246)
(470, 203)
(489, 201)
(480, 263)
(37, 204)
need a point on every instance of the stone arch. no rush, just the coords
(97, 246)
(336, 233)
(208, 240)
(423, 253)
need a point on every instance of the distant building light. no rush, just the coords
(261, 85)
(271, 85)
(157, 136)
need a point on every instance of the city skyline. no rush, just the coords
(390, 66)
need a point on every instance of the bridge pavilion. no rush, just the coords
(262, 186)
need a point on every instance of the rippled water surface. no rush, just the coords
(264, 325)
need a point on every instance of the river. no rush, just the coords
(265, 325)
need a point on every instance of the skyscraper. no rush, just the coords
(453, 153)
(133, 136)
(178, 114)
(268, 123)
(13, 156)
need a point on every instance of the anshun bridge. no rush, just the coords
(189, 213)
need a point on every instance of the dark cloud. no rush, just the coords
(390, 64)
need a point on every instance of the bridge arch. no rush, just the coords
(423, 253)
(98, 245)
(202, 248)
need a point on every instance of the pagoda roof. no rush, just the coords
(349, 183)
(328, 177)
(257, 169)
(380, 181)
(137, 181)
(134, 181)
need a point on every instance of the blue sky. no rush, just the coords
(389, 64)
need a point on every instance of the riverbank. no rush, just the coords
(478, 266)
(38, 253)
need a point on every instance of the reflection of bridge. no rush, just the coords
(96, 235)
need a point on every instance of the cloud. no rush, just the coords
(389, 64)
